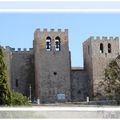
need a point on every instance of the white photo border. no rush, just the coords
(117, 108)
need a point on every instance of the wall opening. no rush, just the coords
(55, 73)
(48, 43)
(79, 92)
(57, 44)
(109, 48)
(101, 48)
(16, 82)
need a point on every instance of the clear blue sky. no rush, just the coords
(16, 29)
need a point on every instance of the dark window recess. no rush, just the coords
(16, 82)
(101, 48)
(109, 48)
(48, 43)
(79, 92)
(55, 73)
(57, 44)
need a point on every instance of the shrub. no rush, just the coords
(18, 99)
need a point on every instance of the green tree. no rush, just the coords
(5, 95)
(111, 82)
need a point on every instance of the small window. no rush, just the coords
(101, 48)
(109, 48)
(48, 43)
(57, 44)
(79, 92)
(16, 82)
(55, 73)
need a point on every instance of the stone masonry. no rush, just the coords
(52, 67)
(98, 52)
(46, 67)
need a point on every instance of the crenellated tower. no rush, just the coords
(52, 65)
(98, 52)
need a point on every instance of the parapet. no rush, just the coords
(59, 30)
(22, 50)
(45, 30)
(37, 33)
(51, 30)
(91, 38)
(37, 29)
(116, 38)
(7, 48)
(98, 37)
(102, 38)
(13, 49)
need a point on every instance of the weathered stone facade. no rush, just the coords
(52, 67)
(79, 84)
(98, 52)
(47, 67)
(21, 70)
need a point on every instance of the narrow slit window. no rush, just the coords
(57, 44)
(109, 48)
(101, 48)
(16, 82)
(48, 43)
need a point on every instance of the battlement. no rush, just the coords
(21, 50)
(7, 48)
(51, 30)
(102, 38)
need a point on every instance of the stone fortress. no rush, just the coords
(44, 72)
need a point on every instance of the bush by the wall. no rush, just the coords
(18, 99)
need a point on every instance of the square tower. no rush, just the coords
(98, 52)
(52, 65)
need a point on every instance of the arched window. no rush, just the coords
(48, 43)
(101, 48)
(57, 44)
(109, 48)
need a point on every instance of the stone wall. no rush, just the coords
(22, 72)
(87, 58)
(79, 84)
